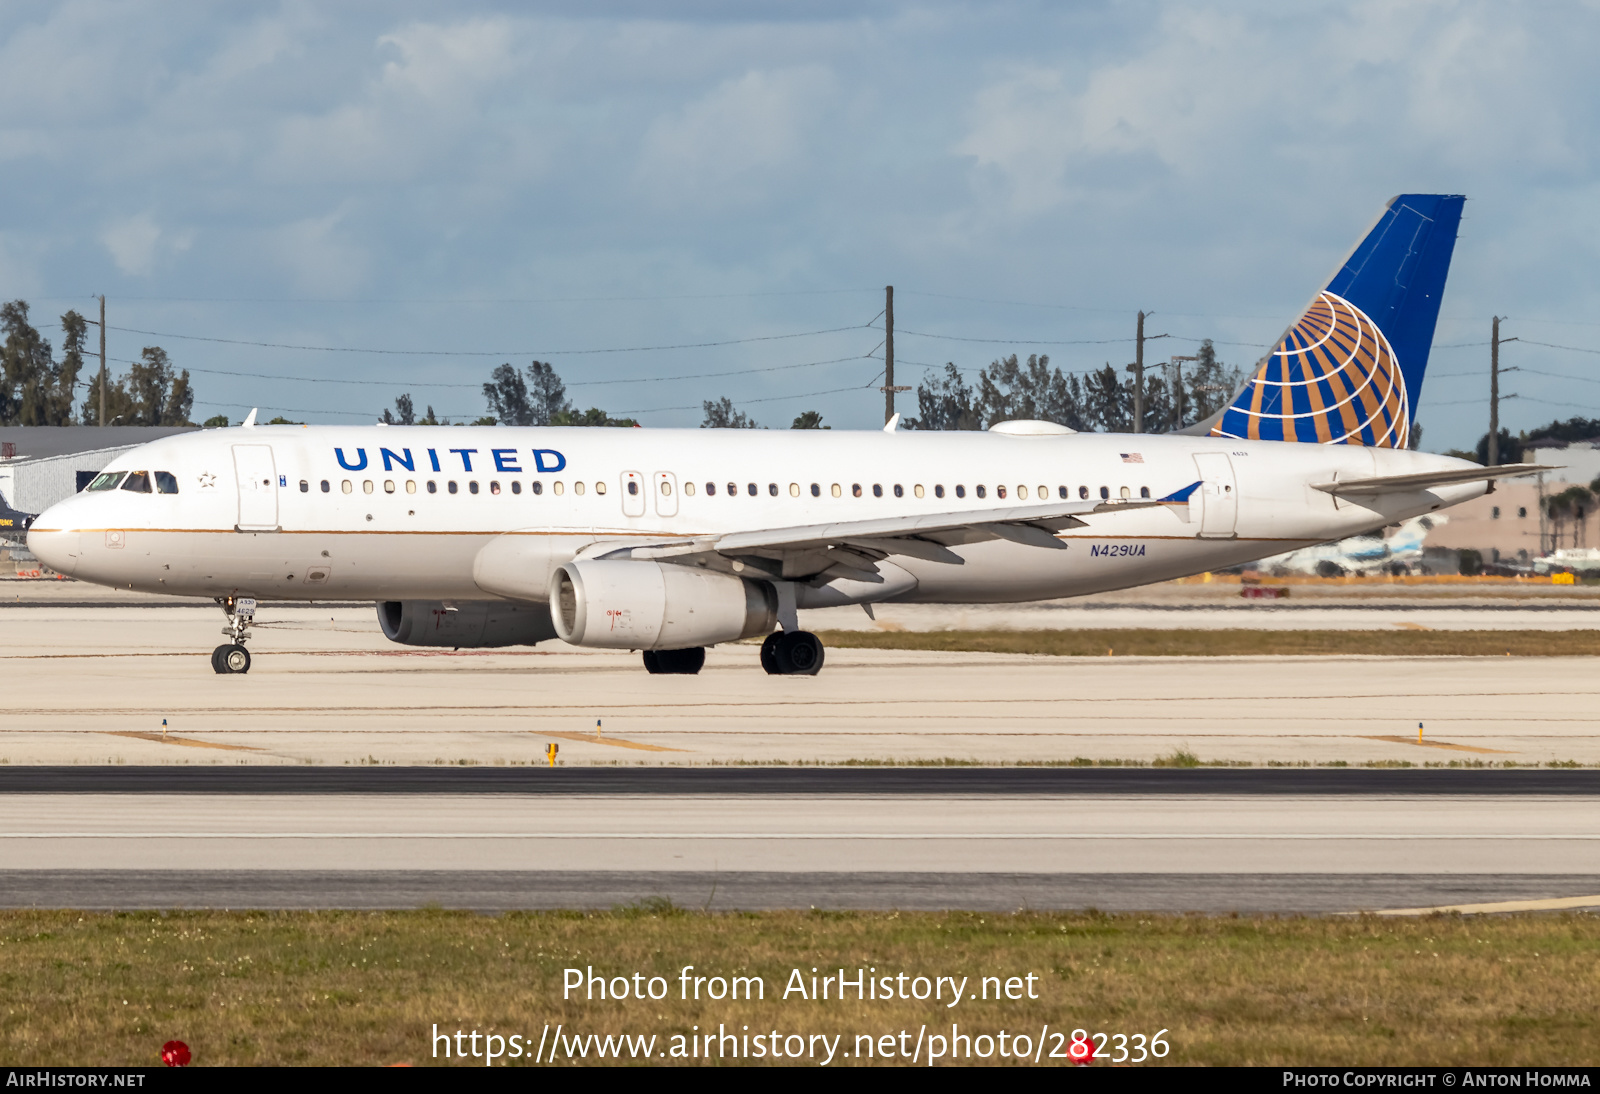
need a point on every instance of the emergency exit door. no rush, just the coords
(1217, 494)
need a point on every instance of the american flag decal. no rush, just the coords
(1132, 457)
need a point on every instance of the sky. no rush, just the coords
(674, 202)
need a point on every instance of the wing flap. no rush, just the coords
(1401, 484)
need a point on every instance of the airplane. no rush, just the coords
(13, 522)
(1395, 552)
(666, 542)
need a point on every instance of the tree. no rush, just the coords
(547, 395)
(1108, 401)
(158, 394)
(809, 419)
(1009, 390)
(217, 421)
(538, 400)
(119, 405)
(429, 419)
(1210, 385)
(405, 412)
(34, 389)
(722, 415)
(594, 416)
(1510, 448)
(944, 403)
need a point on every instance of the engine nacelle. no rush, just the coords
(468, 624)
(620, 604)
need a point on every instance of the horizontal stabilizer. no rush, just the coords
(1404, 484)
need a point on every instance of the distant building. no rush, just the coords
(1579, 461)
(41, 465)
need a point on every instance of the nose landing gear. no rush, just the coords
(231, 657)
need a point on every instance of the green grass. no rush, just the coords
(367, 988)
(1231, 643)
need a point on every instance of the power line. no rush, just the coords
(487, 353)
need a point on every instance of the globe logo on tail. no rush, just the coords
(1333, 379)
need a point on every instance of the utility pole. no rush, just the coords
(1137, 368)
(102, 419)
(1177, 391)
(889, 387)
(1494, 392)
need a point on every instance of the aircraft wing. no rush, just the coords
(1404, 484)
(852, 548)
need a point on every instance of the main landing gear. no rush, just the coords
(792, 653)
(231, 657)
(687, 662)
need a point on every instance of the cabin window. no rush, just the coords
(494, 487)
(666, 487)
(516, 487)
(816, 490)
(107, 481)
(577, 487)
(1144, 491)
(836, 491)
(433, 487)
(346, 486)
(938, 491)
(411, 486)
(557, 488)
(877, 490)
(794, 490)
(855, 489)
(305, 488)
(917, 490)
(366, 486)
(999, 491)
(451, 486)
(537, 487)
(980, 491)
(472, 486)
(750, 488)
(961, 491)
(1022, 493)
(138, 482)
(388, 486)
(1105, 493)
(324, 486)
(733, 490)
(899, 491)
(711, 489)
(1083, 492)
(772, 489)
(1125, 493)
(633, 487)
(688, 489)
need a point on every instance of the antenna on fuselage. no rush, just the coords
(250, 419)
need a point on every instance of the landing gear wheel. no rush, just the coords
(769, 654)
(687, 662)
(230, 659)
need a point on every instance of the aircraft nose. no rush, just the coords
(57, 547)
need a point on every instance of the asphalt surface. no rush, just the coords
(826, 781)
(499, 891)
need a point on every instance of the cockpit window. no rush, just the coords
(107, 481)
(166, 482)
(138, 482)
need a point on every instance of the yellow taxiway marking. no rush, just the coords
(1413, 627)
(1441, 744)
(1552, 905)
(590, 738)
(188, 742)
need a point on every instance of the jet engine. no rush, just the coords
(469, 624)
(621, 604)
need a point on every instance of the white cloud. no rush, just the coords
(729, 144)
(319, 257)
(133, 243)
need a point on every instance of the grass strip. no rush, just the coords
(1150, 642)
(367, 988)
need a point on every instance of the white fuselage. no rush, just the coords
(325, 512)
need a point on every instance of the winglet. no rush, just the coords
(892, 424)
(1181, 497)
(250, 420)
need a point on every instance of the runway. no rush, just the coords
(1283, 841)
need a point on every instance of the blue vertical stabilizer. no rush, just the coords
(1350, 369)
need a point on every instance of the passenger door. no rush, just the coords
(666, 491)
(257, 477)
(1218, 495)
(632, 494)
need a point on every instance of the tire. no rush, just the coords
(687, 662)
(216, 661)
(652, 663)
(769, 654)
(234, 659)
(800, 654)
